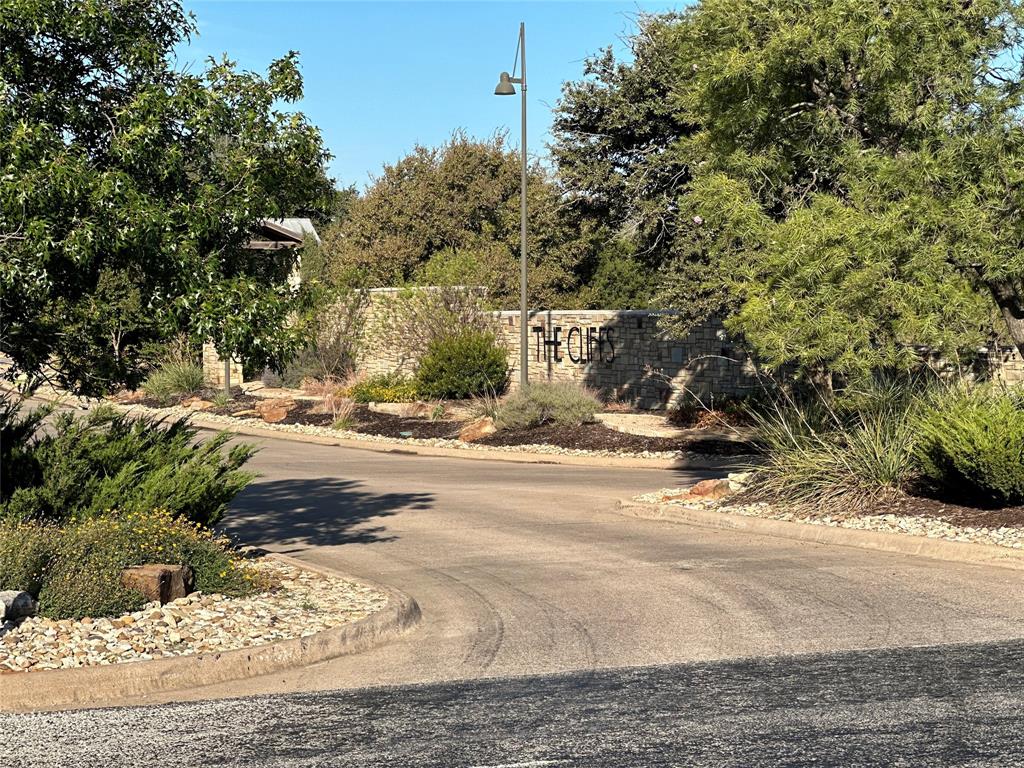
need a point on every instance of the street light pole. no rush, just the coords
(505, 88)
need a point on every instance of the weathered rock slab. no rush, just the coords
(15, 605)
(477, 429)
(156, 582)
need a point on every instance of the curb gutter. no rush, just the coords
(118, 684)
(692, 461)
(880, 541)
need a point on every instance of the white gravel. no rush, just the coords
(303, 603)
(912, 525)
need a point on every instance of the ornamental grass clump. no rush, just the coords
(817, 458)
(561, 403)
(971, 446)
(175, 378)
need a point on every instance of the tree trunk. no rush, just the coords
(1010, 301)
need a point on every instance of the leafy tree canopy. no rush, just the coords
(450, 215)
(841, 177)
(128, 190)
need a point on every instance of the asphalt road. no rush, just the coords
(950, 706)
(524, 571)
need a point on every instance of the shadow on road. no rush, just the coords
(321, 512)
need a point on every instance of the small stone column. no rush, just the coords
(213, 368)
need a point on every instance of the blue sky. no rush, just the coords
(382, 76)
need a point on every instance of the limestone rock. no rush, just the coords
(246, 412)
(476, 429)
(129, 397)
(196, 404)
(712, 489)
(16, 605)
(739, 480)
(417, 410)
(156, 582)
(273, 411)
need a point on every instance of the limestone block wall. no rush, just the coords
(1008, 366)
(620, 353)
(213, 368)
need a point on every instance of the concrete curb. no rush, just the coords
(881, 541)
(118, 684)
(693, 461)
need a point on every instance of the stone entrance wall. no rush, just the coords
(620, 353)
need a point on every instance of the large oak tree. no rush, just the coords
(129, 187)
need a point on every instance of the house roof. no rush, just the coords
(272, 234)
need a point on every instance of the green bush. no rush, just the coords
(25, 552)
(76, 570)
(175, 378)
(384, 388)
(971, 446)
(85, 466)
(462, 365)
(562, 403)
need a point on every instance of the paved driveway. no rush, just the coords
(529, 581)
(524, 569)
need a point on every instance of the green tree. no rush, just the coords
(841, 177)
(452, 214)
(119, 171)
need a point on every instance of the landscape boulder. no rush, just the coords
(15, 605)
(273, 411)
(157, 582)
(196, 404)
(477, 429)
(718, 488)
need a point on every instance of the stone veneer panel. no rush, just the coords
(620, 353)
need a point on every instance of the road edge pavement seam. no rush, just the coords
(130, 682)
(880, 541)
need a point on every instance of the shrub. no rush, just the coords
(172, 379)
(104, 460)
(466, 364)
(83, 574)
(25, 552)
(972, 445)
(562, 403)
(419, 316)
(384, 388)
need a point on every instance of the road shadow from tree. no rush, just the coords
(320, 512)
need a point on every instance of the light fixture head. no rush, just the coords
(505, 87)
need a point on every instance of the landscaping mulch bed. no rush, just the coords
(587, 437)
(597, 437)
(370, 422)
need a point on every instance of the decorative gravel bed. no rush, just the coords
(298, 603)
(916, 517)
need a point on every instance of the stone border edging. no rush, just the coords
(112, 684)
(880, 541)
